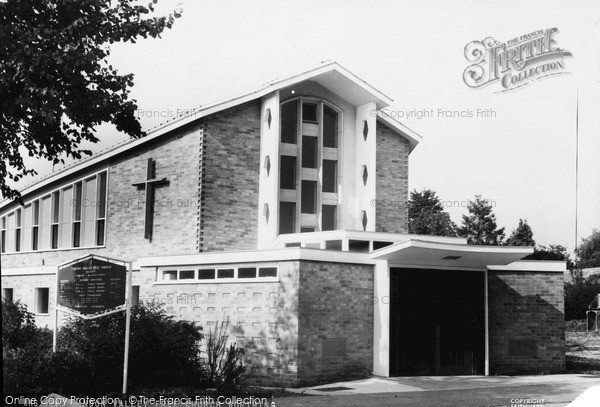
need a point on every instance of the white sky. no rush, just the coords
(523, 159)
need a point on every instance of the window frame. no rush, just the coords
(36, 300)
(37, 228)
(311, 220)
(216, 279)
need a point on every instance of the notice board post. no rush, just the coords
(93, 287)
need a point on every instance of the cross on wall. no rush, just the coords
(149, 184)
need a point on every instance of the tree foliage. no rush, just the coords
(588, 251)
(18, 326)
(479, 226)
(579, 293)
(426, 215)
(521, 236)
(56, 84)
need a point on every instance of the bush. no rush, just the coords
(163, 352)
(579, 293)
(25, 349)
(225, 369)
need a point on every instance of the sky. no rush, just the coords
(522, 157)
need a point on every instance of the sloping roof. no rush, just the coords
(329, 74)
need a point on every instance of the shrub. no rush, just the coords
(224, 365)
(163, 352)
(579, 293)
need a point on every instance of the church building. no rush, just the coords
(283, 211)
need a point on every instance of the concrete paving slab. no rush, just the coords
(464, 391)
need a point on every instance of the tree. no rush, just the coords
(589, 251)
(479, 227)
(426, 215)
(552, 252)
(56, 85)
(521, 236)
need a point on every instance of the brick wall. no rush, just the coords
(526, 322)
(392, 181)
(24, 291)
(335, 321)
(231, 176)
(262, 317)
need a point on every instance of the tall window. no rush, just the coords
(42, 300)
(71, 216)
(3, 243)
(55, 216)
(309, 156)
(36, 226)
(18, 230)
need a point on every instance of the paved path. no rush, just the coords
(473, 391)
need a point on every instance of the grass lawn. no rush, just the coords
(583, 348)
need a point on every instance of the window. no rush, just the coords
(330, 128)
(71, 216)
(309, 112)
(208, 274)
(187, 274)
(287, 217)
(3, 243)
(135, 295)
(213, 274)
(247, 272)
(287, 177)
(267, 272)
(35, 237)
(18, 220)
(7, 294)
(169, 275)
(329, 176)
(101, 209)
(309, 169)
(42, 300)
(289, 123)
(77, 214)
(55, 215)
(309, 152)
(225, 273)
(309, 197)
(329, 217)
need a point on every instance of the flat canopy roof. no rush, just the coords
(422, 253)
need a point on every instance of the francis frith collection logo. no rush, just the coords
(514, 63)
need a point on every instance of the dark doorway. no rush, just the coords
(436, 322)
